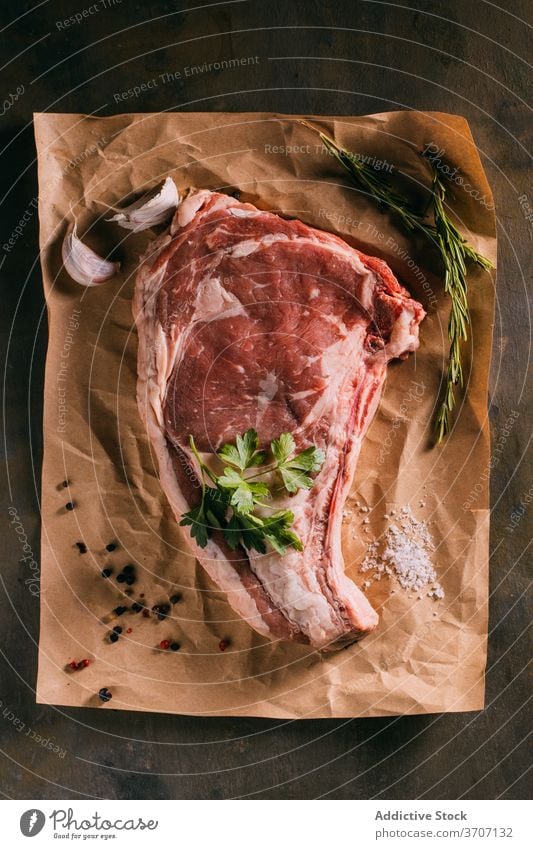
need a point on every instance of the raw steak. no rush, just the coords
(246, 319)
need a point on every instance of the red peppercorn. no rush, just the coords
(73, 664)
(164, 644)
(83, 663)
(129, 630)
(223, 644)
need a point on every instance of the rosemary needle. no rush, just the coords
(454, 250)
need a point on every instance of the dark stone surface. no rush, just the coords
(316, 56)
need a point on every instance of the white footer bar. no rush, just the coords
(270, 824)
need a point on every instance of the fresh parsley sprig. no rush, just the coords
(454, 250)
(230, 504)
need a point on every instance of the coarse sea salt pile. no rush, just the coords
(404, 554)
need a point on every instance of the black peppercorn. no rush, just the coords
(104, 694)
(70, 505)
(161, 610)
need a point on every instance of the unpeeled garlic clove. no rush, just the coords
(83, 264)
(154, 207)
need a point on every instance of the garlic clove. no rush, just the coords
(83, 264)
(154, 207)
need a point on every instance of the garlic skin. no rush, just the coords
(83, 264)
(154, 207)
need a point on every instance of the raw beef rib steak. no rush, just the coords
(247, 320)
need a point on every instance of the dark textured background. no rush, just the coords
(315, 56)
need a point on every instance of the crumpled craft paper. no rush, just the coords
(425, 656)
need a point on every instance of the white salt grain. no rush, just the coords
(404, 555)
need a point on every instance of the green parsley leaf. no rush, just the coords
(292, 468)
(217, 501)
(243, 500)
(290, 538)
(310, 460)
(212, 519)
(244, 454)
(232, 532)
(295, 479)
(283, 539)
(283, 447)
(277, 531)
(244, 494)
(230, 479)
(196, 518)
(253, 540)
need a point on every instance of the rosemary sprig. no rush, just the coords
(375, 183)
(455, 253)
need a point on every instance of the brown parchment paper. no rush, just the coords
(426, 656)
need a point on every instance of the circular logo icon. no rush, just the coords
(32, 822)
